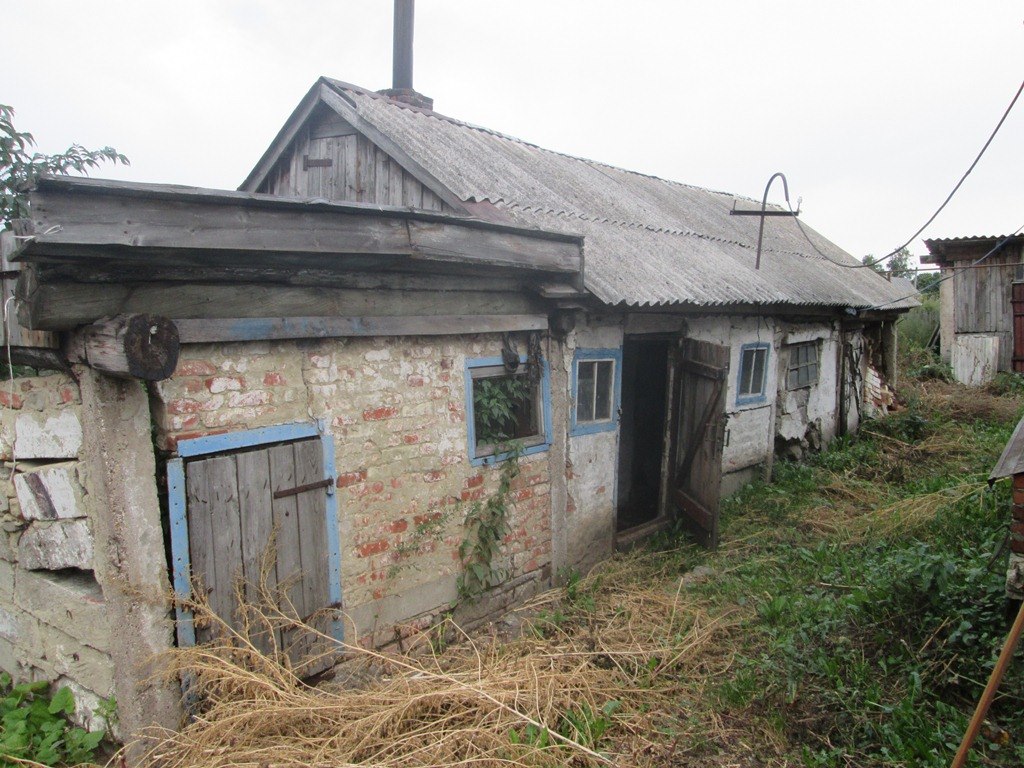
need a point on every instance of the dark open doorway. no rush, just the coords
(641, 430)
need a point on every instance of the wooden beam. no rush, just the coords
(241, 231)
(37, 357)
(66, 305)
(133, 347)
(199, 331)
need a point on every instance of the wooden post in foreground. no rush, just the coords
(990, 690)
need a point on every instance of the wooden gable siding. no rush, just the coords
(982, 296)
(330, 159)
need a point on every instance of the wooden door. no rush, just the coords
(699, 414)
(237, 503)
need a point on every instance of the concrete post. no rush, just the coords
(131, 565)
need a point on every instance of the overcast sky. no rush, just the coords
(873, 110)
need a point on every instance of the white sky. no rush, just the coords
(872, 109)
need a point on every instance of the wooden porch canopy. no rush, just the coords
(97, 248)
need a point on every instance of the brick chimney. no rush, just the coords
(401, 69)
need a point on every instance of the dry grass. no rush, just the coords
(468, 706)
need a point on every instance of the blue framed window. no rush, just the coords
(753, 375)
(596, 390)
(228, 444)
(506, 407)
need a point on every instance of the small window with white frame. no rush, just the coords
(803, 365)
(596, 377)
(753, 373)
(506, 409)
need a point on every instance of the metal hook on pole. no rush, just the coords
(765, 212)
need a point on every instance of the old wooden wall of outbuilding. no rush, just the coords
(330, 159)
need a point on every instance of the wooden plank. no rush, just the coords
(256, 510)
(431, 239)
(264, 328)
(366, 178)
(351, 149)
(382, 175)
(154, 223)
(14, 335)
(213, 490)
(200, 533)
(312, 512)
(332, 126)
(61, 306)
(289, 564)
(395, 176)
(412, 191)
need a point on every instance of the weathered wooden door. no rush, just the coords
(237, 502)
(699, 399)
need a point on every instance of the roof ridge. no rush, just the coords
(340, 84)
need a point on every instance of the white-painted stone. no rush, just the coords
(56, 545)
(48, 435)
(975, 358)
(50, 491)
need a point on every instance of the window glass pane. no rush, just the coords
(585, 390)
(603, 389)
(504, 409)
(746, 365)
(757, 374)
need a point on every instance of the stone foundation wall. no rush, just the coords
(53, 618)
(396, 408)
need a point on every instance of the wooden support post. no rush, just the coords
(133, 347)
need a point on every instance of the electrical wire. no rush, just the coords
(953, 274)
(868, 264)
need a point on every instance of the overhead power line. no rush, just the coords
(945, 202)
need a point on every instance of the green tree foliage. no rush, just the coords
(928, 282)
(899, 264)
(19, 168)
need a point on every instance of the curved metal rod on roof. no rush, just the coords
(765, 212)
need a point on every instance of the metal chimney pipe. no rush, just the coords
(401, 62)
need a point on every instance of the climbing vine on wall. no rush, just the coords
(485, 527)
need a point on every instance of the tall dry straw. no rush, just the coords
(571, 694)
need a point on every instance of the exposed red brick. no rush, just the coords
(1018, 482)
(396, 483)
(374, 548)
(183, 405)
(410, 439)
(433, 476)
(399, 526)
(523, 493)
(415, 380)
(475, 482)
(378, 414)
(11, 400)
(273, 379)
(476, 493)
(428, 518)
(68, 395)
(351, 478)
(194, 368)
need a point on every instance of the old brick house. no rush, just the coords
(313, 345)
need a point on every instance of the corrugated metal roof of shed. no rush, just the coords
(648, 241)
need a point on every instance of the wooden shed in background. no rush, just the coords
(982, 306)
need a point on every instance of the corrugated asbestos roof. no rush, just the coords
(648, 241)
